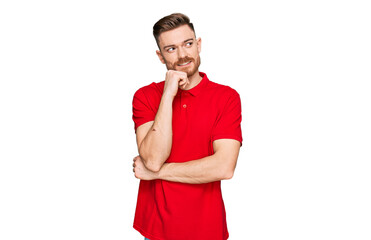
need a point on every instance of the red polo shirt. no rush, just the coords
(179, 211)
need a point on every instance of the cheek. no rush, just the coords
(170, 60)
(195, 53)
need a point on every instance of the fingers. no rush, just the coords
(176, 75)
(183, 82)
(134, 165)
(183, 85)
(175, 80)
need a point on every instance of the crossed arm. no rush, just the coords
(218, 166)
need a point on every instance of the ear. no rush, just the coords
(159, 55)
(199, 44)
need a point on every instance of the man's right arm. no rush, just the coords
(154, 138)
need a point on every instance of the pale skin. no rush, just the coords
(154, 138)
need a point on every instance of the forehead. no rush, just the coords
(176, 36)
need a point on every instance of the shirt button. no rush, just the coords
(184, 105)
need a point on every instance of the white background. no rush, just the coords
(69, 69)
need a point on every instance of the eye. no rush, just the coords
(189, 44)
(171, 49)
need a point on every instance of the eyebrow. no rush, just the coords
(172, 45)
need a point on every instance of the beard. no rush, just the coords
(189, 69)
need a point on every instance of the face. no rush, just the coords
(180, 50)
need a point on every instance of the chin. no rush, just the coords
(192, 72)
(189, 70)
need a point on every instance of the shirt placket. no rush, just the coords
(184, 105)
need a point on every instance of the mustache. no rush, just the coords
(184, 60)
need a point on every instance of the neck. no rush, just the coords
(194, 80)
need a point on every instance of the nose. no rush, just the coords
(181, 52)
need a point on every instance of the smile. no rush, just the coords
(184, 64)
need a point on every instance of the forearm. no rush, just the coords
(204, 170)
(156, 146)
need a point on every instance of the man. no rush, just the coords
(188, 135)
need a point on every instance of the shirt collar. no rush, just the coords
(196, 90)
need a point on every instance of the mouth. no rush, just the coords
(184, 64)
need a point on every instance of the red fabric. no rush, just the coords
(170, 210)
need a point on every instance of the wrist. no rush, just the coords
(160, 174)
(155, 175)
(168, 96)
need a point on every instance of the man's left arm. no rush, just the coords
(219, 166)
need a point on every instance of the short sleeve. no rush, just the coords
(228, 124)
(142, 112)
